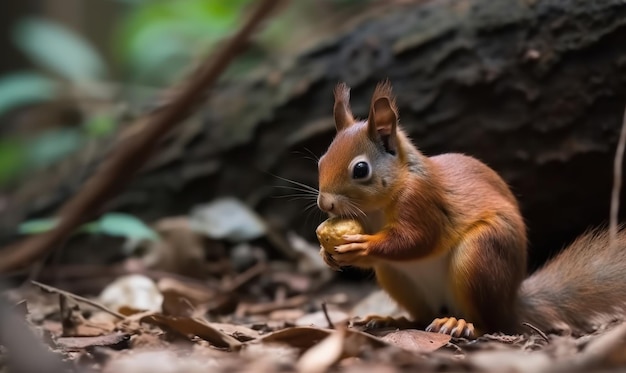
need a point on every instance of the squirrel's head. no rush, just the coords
(362, 164)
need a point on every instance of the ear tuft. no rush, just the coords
(341, 111)
(383, 117)
(342, 92)
(385, 91)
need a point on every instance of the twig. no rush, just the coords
(327, 316)
(78, 298)
(537, 330)
(134, 152)
(245, 277)
(617, 183)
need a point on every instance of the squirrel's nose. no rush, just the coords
(326, 202)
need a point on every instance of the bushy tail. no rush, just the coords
(581, 288)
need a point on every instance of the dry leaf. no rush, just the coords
(197, 294)
(240, 332)
(416, 340)
(164, 361)
(74, 324)
(227, 218)
(133, 291)
(114, 340)
(188, 326)
(288, 315)
(323, 355)
(300, 337)
(175, 304)
(319, 319)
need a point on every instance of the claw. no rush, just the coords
(452, 326)
(329, 260)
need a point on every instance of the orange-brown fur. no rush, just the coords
(455, 207)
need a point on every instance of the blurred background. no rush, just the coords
(536, 90)
(70, 68)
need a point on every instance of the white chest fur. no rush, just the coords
(427, 279)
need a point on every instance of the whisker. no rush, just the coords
(295, 188)
(301, 199)
(308, 187)
(315, 157)
(303, 195)
(350, 207)
(312, 205)
(309, 210)
(355, 210)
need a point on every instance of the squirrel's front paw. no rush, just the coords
(329, 260)
(354, 251)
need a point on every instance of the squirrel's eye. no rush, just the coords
(361, 170)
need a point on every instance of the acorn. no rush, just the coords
(330, 232)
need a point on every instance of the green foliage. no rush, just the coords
(37, 226)
(62, 52)
(12, 157)
(111, 224)
(152, 43)
(59, 50)
(159, 37)
(18, 156)
(100, 125)
(21, 88)
(122, 225)
(52, 146)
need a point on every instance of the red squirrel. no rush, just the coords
(446, 238)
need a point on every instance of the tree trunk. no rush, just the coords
(533, 88)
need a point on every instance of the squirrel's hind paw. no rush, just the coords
(452, 326)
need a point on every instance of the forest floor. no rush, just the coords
(241, 311)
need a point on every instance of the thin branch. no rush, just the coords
(327, 316)
(537, 330)
(116, 171)
(78, 298)
(617, 183)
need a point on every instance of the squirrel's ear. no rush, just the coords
(341, 110)
(383, 117)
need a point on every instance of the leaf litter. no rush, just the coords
(187, 303)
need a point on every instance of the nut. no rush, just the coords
(329, 233)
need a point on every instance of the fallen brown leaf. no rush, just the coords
(75, 325)
(290, 315)
(114, 340)
(175, 304)
(300, 337)
(196, 293)
(416, 340)
(240, 332)
(188, 326)
(323, 355)
(319, 319)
